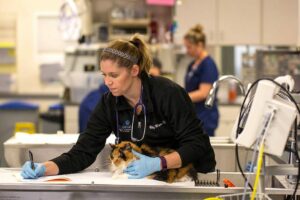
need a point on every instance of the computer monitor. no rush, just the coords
(265, 103)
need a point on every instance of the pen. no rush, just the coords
(31, 160)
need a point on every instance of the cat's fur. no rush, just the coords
(121, 155)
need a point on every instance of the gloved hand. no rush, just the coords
(142, 167)
(29, 173)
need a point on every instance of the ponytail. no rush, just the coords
(196, 35)
(128, 53)
(145, 60)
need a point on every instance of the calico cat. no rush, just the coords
(121, 155)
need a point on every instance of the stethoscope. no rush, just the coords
(139, 103)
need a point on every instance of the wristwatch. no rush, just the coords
(163, 163)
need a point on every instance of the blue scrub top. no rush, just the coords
(88, 105)
(206, 72)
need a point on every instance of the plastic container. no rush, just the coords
(232, 93)
(11, 113)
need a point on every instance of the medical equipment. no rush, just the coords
(267, 121)
(267, 99)
(292, 146)
(70, 23)
(75, 77)
(274, 63)
(75, 19)
(138, 108)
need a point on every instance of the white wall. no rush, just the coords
(27, 66)
(299, 22)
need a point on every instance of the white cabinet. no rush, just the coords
(192, 12)
(246, 22)
(280, 22)
(226, 22)
(298, 23)
(239, 22)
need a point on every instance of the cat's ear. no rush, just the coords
(112, 145)
(128, 147)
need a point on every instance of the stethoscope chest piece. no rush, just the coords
(139, 109)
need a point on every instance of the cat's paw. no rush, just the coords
(120, 176)
(124, 176)
(114, 176)
(151, 176)
(184, 179)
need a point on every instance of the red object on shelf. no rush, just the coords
(228, 182)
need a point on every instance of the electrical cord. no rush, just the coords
(239, 166)
(240, 129)
(242, 115)
(297, 156)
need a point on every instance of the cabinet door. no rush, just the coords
(239, 22)
(192, 12)
(280, 22)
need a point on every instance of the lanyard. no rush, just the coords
(139, 103)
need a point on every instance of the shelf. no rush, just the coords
(85, 47)
(125, 28)
(125, 36)
(8, 57)
(7, 45)
(130, 22)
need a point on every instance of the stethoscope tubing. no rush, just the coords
(140, 103)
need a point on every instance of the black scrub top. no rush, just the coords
(170, 122)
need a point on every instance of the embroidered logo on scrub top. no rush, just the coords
(126, 126)
(155, 126)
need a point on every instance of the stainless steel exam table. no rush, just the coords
(100, 185)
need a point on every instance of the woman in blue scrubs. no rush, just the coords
(200, 76)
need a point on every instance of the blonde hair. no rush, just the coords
(129, 52)
(196, 35)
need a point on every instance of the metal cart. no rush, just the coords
(239, 196)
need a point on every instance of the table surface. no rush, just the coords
(89, 181)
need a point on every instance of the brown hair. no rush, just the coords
(196, 35)
(135, 48)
